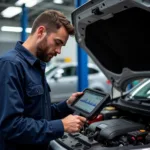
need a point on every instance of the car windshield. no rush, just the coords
(141, 91)
(50, 69)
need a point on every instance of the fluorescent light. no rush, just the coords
(14, 29)
(58, 1)
(9, 12)
(11, 29)
(28, 30)
(28, 3)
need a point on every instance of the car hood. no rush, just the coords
(115, 34)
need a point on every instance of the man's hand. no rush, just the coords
(73, 123)
(73, 97)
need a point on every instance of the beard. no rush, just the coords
(42, 50)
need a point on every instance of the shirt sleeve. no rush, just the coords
(14, 127)
(60, 110)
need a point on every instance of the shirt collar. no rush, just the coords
(28, 56)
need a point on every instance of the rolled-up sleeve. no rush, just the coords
(14, 126)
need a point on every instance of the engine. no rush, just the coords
(109, 129)
(117, 132)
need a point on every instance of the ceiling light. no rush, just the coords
(10, 12)
(58, 1)
(28, 3)
(14, 29)
(28, 30)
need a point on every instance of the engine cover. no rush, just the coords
(110, 129)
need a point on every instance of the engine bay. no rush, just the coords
(113, 128)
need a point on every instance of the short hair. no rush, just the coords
(52, 20)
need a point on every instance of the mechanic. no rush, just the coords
(27, 118)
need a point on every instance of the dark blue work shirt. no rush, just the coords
(27, 118)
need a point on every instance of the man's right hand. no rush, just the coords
(73, 123)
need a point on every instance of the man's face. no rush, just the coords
(51, 44)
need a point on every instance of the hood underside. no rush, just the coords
(117, 37)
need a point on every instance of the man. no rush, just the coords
(27, 118)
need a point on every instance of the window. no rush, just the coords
(69, 71)
(142, 91)
(50, 70)
(92, 71)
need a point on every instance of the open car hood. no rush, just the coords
(116, 35)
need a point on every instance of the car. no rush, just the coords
(140, 91)
(62, 79)
(115, 35)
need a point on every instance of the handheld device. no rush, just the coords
(90, 103)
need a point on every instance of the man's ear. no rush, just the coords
(41, 32)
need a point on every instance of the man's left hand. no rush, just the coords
(73, 97)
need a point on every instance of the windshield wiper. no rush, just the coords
(129, 96)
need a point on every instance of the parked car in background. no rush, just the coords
(62, 79)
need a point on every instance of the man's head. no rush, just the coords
(51, 30)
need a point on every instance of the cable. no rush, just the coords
(93, 135)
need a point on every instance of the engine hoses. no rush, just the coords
(91, 136)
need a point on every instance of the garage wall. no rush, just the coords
(6, 46)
